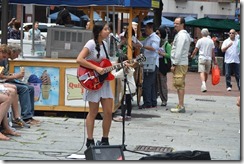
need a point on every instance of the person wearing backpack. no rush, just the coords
(164, 65)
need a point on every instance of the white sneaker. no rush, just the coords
(203, 88)
(118, 119)
(229, 89)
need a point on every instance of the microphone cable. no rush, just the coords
(67, 154)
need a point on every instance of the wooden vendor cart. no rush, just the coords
(64, 92)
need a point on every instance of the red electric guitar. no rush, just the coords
(92, 80)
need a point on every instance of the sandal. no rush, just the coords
(20, 122)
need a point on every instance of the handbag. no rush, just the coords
(164, 65)
(215, 74)
(149, 65)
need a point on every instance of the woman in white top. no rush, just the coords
(96, 50)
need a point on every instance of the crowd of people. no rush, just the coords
(12, 93)
(163, 57)
(14, 31)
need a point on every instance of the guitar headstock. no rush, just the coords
(140, 58)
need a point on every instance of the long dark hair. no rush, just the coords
(163, 33)
(64, 17)
(97, 28)
(126, 33)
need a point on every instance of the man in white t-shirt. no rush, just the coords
(205, 46)
(232, 59)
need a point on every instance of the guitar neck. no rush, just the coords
(117, 66)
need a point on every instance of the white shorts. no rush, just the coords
(204, 65)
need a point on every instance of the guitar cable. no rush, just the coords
(84, 125)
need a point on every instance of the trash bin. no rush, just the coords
(193, 63)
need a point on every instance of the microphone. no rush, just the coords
(117, 40)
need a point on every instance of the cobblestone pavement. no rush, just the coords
(211, 123)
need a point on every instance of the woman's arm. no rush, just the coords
(83, 62)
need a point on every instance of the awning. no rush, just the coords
(165, 22)
(214, 24)
(126, 3)
(96, 17)
(189, 18)
(230, 24)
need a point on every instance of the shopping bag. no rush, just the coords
(215, 74)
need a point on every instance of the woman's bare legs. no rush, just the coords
(7, 130)
(107, 119)
(5, 102)
(90, 118)
(107, 115)
(13, 93)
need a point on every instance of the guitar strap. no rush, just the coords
(105, 50)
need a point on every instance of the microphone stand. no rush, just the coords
(123, 108)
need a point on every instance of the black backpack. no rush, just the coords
(165, 63)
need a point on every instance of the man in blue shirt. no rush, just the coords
(150, 47)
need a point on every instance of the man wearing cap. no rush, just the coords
(205, 46)
(150, 47)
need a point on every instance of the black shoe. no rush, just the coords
(89, 142)
(104, 141)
